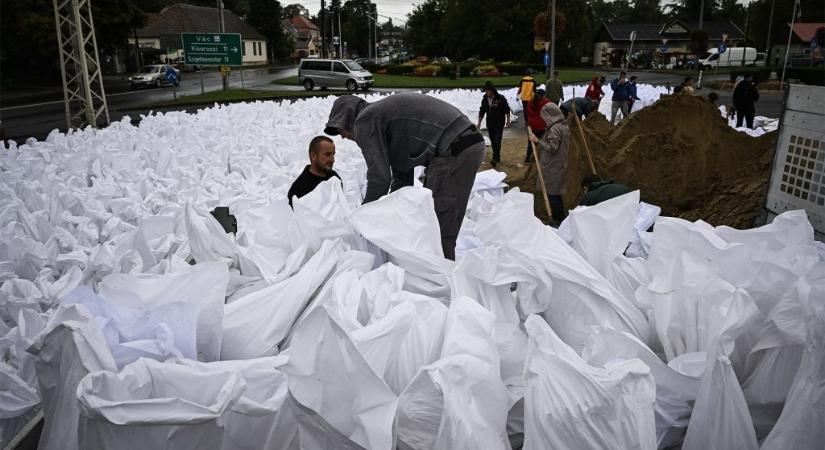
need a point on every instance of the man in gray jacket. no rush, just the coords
(403, 131)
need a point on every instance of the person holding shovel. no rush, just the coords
(551, 156)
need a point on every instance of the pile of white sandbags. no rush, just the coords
(135, 321)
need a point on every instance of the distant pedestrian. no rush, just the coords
(584, 106)
(687, 87)
(553, 150)
(631, 93)
(526, 90)
(495, 107)
(535, 124)
(620, 96)
(594, 91)
(745, 96)
(555, 90)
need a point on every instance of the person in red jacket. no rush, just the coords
(594, 91)
(535, 124)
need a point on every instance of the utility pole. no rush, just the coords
(224, 80)
(84, 98)
(788, 48)
(375, 30)
(552, 65)
(340, 35)
(323, 29)
(701, 14)
(768, 43)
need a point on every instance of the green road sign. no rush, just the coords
(212, 49)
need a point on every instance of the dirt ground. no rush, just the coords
(679, 152)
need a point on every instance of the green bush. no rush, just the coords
(807, 75)
(430, 70)
(760, 74)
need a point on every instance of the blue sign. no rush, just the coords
(546, 59)
(664, 49)
(722, 47)
(813, 43)
(171, 75)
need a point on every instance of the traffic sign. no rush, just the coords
(212, 49)
(547, 59)
(813, 43)
(663, 49)
(225, 69)
(171, 75)
(722, 47)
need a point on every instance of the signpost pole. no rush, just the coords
(627, 59)
(201, 72)
(242, 86)
(225, 81)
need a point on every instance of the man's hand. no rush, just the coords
(478, 125)
(507, 123)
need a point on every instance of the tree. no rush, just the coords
(293, 10)
(423, 34)
(265, 16)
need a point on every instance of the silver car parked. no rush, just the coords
(324, 73)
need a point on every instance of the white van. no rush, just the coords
(733, 57)
(324, 73)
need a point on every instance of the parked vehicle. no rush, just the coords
(152, 75)
(733, 57)
(760, 59)
(365, 61)
(324, 73)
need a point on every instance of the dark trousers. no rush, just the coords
(495, 133)
(451, 180)
(557, 208)
(743, 113)
(630, 106)
(529, 156)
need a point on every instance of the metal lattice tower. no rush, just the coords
(83, 94)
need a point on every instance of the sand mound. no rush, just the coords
(684, 157)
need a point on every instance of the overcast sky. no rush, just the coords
(397, 9)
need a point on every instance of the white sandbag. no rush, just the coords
(601, 232)
(261, 418)
(70, 347)
(150, 404)
(404, 225)
(570, 404)
(800, 425)
(344, 402)
(321, 215)
(255, 325)
(459, 401)
(558, 274)
(600, 235)
(639, 246)
(17, 400)
(675, 392)
(720, 418)
(203, 285)
(134, 331)
(379, 341)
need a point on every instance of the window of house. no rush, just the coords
(260, 49)
(243, 48)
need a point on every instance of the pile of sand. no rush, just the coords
(683, 157)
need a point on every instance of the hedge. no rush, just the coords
(449, 70)
(807, 75)
(760, 74)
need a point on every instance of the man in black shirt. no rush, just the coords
(495, 107)
(321, 159)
